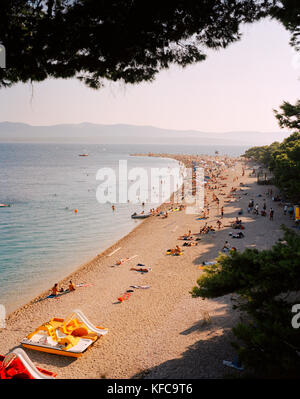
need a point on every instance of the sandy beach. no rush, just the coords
(160, 332)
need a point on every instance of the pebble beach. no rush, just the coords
(160, 331)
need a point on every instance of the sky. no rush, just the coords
(235, 89)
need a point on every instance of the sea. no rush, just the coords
(55, 221)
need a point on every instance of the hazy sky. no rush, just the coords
(234, 89)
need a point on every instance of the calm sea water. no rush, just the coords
(41, 237)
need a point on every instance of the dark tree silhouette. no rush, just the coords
(128, 40)
(288, 12)
(289, 117)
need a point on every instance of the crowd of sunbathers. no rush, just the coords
(207, 229)
(165, 214)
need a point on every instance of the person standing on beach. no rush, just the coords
(251, 204)
(222, 212)
(285, 208)
(291, 211)
(271, 213)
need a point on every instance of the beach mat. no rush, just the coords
(144, 287)
(124, 297)
(124, 260)
(84, 285)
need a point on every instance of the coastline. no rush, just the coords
(72, 267)
(157, 329)
(82, 267)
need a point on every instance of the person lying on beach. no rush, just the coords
(144, 270)
(237, 224)
(124, 297)
(226, 247)
(207, 229)
(238, 235)
(174, 251)
(190, 244)
(121, 261)
(185, 238)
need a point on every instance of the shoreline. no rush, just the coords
(160, 332)
(83, 266)
(75, 268)
(80, 268)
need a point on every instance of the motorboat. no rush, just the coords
(140, 215)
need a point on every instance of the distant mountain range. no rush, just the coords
(128, 134)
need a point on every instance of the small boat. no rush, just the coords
(17, 365)
(83, 155)
(140, 216)
(67, 337)
(4, 205)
